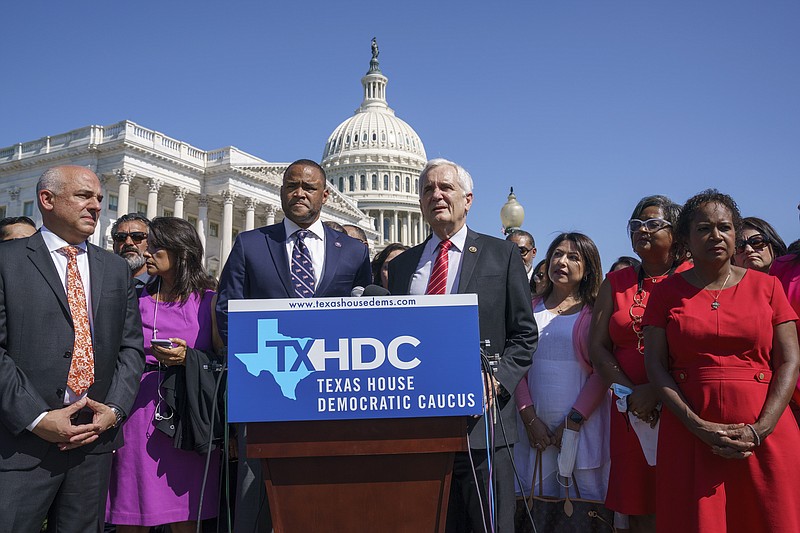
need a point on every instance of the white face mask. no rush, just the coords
(568, 453)
(648, 437)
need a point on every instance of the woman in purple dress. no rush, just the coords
(157, 476)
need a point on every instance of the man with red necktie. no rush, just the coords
(455, 259)
(70, 361)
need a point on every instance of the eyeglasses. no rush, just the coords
(651, 225)
(756, 242)
(523, 250)
(538, 277)
(136, 236)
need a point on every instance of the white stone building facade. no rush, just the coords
(372, 159)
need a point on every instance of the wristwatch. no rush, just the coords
(117, 413)
(576, 417)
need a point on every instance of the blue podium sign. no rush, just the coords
(353, 358)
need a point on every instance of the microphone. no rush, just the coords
(374, 290)
(357, 291)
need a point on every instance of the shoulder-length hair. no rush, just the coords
(179, 237)
(592, 269)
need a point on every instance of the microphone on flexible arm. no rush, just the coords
(369, 290)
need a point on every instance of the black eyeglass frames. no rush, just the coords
(136, 236)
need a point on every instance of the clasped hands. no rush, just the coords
(57, 425)
(174, 356)
(539, 435)
(730, 441)
(643, 404)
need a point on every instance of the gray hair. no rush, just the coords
(50, 180)
(129, 217)
(463, 177)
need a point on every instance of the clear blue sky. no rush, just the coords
(584, 107)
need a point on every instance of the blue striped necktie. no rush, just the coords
(302, 268)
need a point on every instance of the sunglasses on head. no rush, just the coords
(651, 224)
(756, 242)
(136, 236)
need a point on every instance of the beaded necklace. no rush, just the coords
(638, 303)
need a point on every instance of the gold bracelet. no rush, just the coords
(534, 419)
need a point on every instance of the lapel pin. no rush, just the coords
(473, 249)
(337, 244)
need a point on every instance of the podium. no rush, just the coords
(387, 475)
(355, 406)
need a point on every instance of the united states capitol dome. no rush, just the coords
(375, 158)
(374, 129)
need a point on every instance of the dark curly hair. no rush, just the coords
(592, 269)
(693, 204)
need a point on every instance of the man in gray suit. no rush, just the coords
(455, 259)
(70, 361)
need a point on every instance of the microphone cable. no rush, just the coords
(490, 447)
(222, 369)
(490, 410)
(486, 364)
(477, 485)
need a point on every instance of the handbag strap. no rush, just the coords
(577, 488)
(537, 471)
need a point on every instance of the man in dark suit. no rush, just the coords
(455, 259)
(296, 258)
(70, 361)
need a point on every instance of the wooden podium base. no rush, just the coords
(386, 475)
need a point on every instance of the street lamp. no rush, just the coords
(512, 213)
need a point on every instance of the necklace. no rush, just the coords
(638, 305)
(562, 308)
(715, 304)
(667, 272)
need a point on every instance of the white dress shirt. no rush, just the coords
(315, 242)
(54, 243)
(419, 281)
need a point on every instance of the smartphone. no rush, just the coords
(164, 343)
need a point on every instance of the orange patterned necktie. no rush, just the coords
(81, 371)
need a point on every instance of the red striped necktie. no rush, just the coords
(437, 283)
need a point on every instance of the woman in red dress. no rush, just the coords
(721, 348)
(617, 348)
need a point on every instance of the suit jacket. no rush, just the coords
(492, 269)
(258, 267)
(37, 337)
